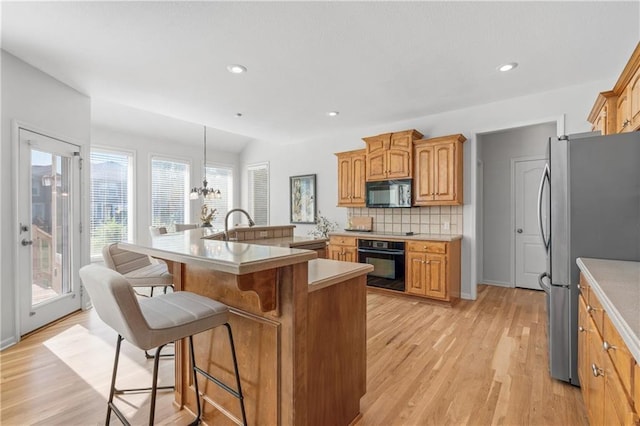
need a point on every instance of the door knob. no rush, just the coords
(519, 230)
(26, 242)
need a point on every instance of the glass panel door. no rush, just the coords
(49, 241)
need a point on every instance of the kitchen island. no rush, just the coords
(299, 326)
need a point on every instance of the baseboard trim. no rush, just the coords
(497, 283)
(7, 343)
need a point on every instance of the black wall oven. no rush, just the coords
(387, 258)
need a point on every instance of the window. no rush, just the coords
(169, 192)
(111, 199)
(258, 188)
(220, 177)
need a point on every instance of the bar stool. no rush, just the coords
(154, 322)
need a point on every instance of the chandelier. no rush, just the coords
(204, 190)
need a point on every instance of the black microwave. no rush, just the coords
(389, 193)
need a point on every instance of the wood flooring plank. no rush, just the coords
(479, 363)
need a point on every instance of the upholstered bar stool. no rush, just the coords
(154, 322)
(137, 268)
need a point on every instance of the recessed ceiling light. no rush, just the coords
(507, 67)
(236, 68)
(333, 113)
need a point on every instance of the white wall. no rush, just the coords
(34, 99)
(143, 148)
(498, 149)
(571, 105)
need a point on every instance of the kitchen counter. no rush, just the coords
(616, 283)
(396, 237)
(289, 313)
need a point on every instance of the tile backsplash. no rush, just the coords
(419, 220)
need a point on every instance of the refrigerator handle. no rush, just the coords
(544, 286)
(545, 177)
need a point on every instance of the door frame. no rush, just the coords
(512, 250)
(79, 253)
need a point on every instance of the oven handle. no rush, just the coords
(392, 251)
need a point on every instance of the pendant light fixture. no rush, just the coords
(204, 190)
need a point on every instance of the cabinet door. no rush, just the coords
(617, 409)
(398, 164)
(423, 182)
(377, 166)
(415, 278)
(358, 179)
(634, 99)
(350, 254)
(334, 252)
(584, 369)
(622, 112)
(344, 180)
(436, 276)
(444, 172)
(595, 403)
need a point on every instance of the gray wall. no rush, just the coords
(497, 150)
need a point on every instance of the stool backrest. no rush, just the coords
(123, 261)
(115, 302)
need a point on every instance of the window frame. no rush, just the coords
(131, 199)
(175, 159)
(232, 170)
(250, 201)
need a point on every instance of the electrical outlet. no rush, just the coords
(263, 234)
(445, 226)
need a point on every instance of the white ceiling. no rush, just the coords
(375, 62)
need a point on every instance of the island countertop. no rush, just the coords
(225, 256)
(616, 283)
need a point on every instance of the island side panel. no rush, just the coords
(337, 337)
(271, 359)
(256, 337)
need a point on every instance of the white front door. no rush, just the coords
(49, 234)
(529, 250)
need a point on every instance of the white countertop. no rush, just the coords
(616, 283)
(325, 272)
(226, 256)
(395, 237)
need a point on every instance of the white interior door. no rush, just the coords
(529, 250)
(49, 234)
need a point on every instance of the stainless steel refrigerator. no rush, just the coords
(588, 206)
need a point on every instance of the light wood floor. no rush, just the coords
(482, 362)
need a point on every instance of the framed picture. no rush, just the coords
(302, 199)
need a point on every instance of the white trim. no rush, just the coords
(497, 283)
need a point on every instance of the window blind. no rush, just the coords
(220, 177)
(111, 199)
(258, 188)
(169, 192)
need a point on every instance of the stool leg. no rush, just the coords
(235, 366)
(195, 383)
(112, 391)
(154, 385)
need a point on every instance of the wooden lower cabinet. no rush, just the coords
(433, 269)
(343, 248)
(605, 366)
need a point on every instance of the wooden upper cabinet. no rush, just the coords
(634, 100)
(603, 114)
(618, 110)
(390, 155)
(438, 171)
(351, 175)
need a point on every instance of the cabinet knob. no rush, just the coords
(626, 123)
(581, 328)
(590, 308)
(596, 371)
(579, 287)
(606, 346)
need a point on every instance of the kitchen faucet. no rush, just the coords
(226, 226)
